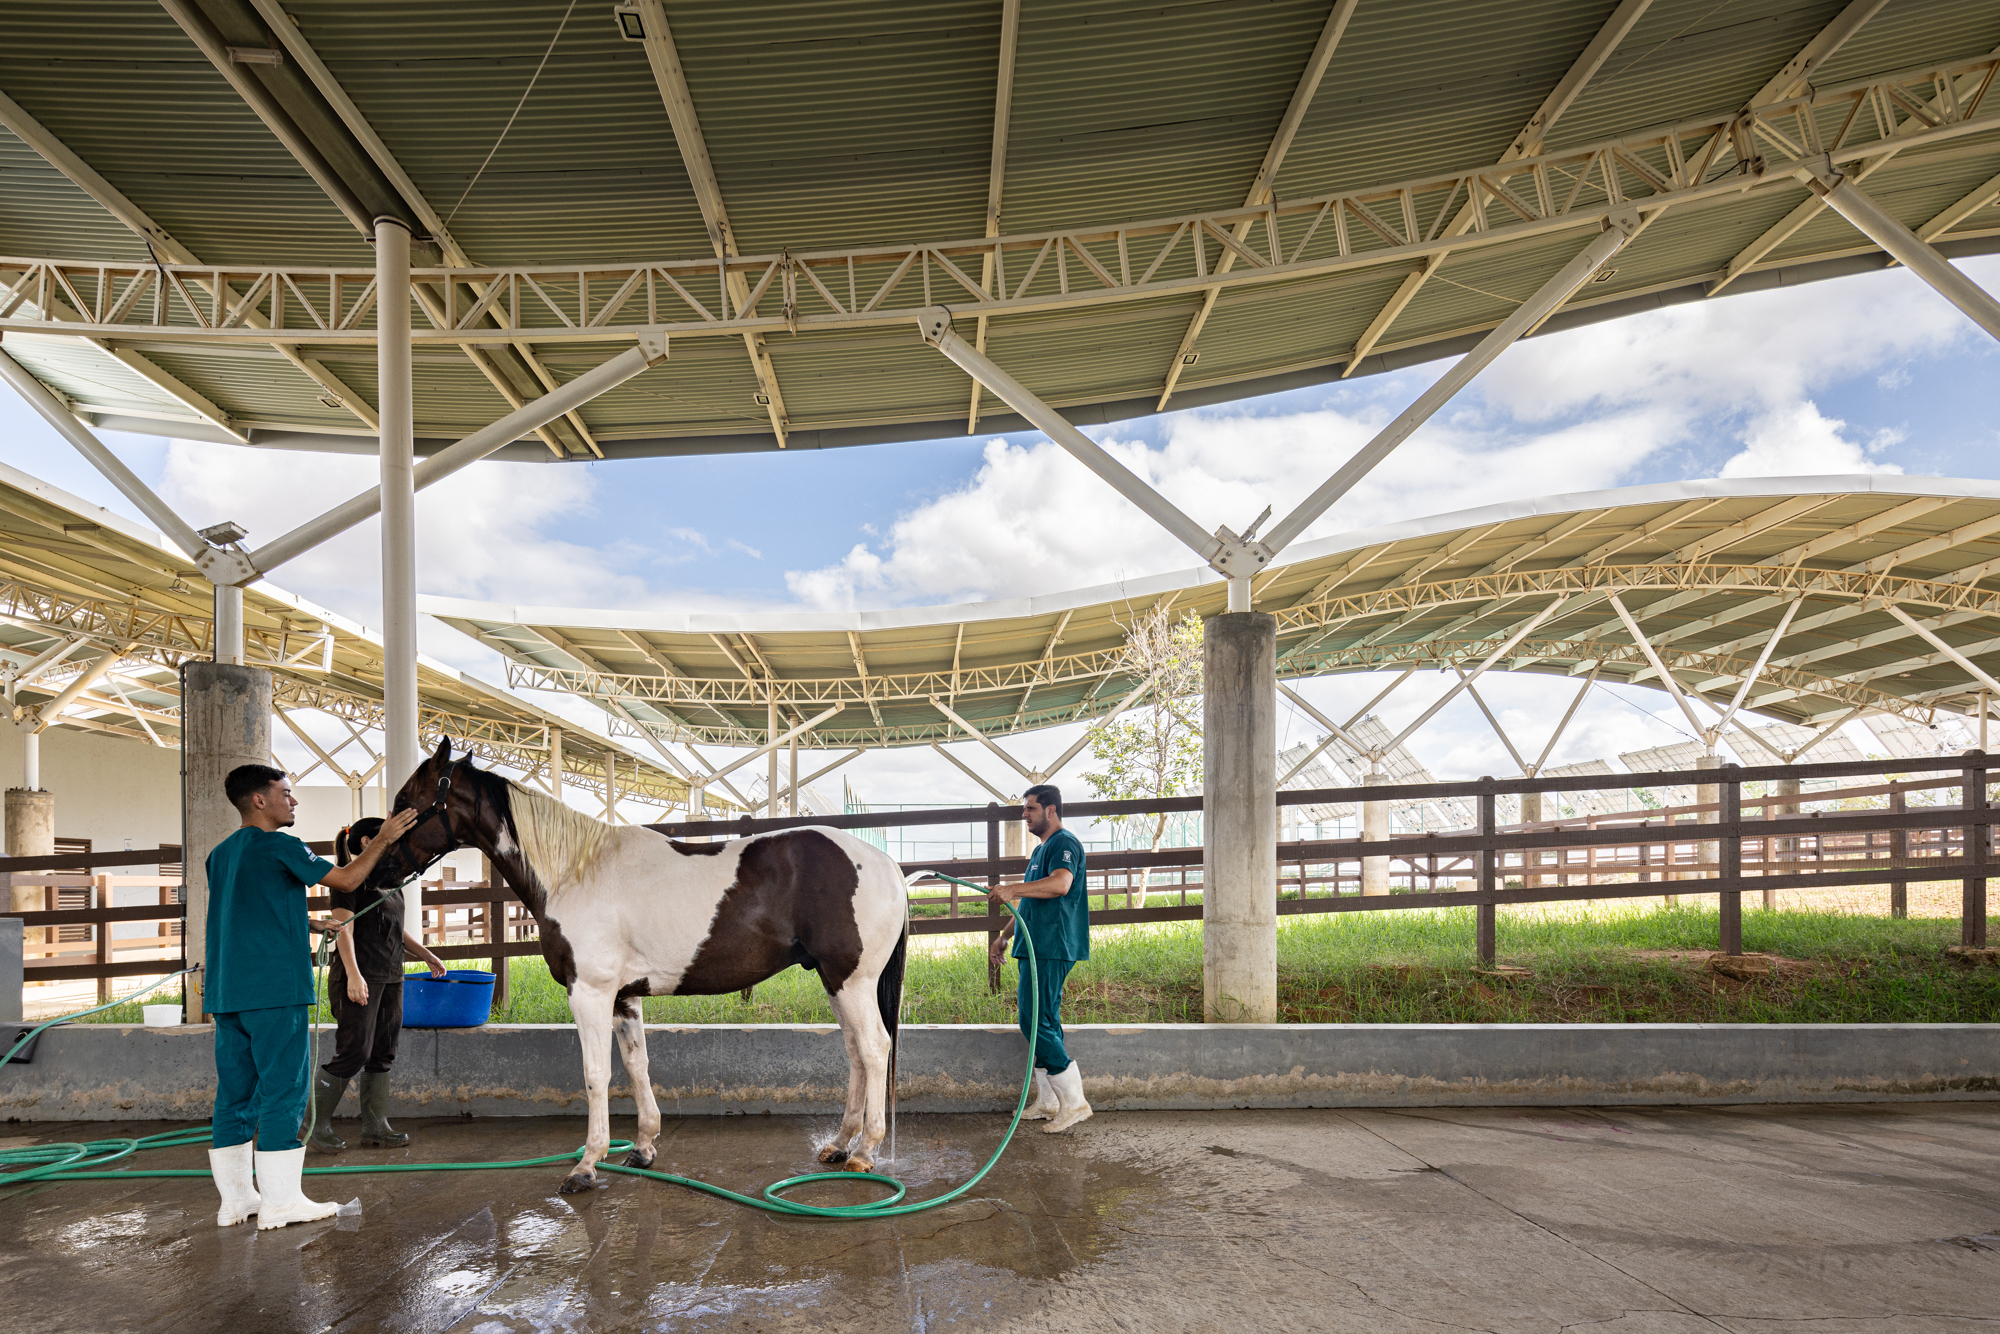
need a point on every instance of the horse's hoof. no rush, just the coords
(638, 1159)
(859, 1165)
(833, 1153)
(578, 1183)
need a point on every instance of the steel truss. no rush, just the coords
(166, 639)
(1707, 160)
(1308, 635)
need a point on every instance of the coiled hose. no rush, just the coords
(81, 1162)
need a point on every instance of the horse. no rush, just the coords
(627, 912)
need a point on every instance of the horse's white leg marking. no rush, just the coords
(850, 1119)
(868, 1040)
(631, 1030)
(592, 1008)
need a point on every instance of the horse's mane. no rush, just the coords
(559, 844)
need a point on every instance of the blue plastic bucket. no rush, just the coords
(462, 998)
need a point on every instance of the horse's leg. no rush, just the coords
(868, 1040)
(631, 1030)
(592, 1009)
(850, 1119)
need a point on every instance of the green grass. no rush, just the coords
(1416, 967)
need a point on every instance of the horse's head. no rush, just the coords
(446, 795)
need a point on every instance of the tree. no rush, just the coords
(1154, 751)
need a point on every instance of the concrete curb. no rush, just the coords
(87, 1072)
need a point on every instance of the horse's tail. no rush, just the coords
(889, 999)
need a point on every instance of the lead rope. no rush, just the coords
(71, 1162)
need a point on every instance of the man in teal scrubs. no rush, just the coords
(1053, 905)
(258, 988)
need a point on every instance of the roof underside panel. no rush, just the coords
(540, 136)
(1708, 570)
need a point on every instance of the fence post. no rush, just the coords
(1978, 840)
(993, 910)
(103, 896)
(1488, 929)
(1732, 859)
(496, 928)
(1899, 853)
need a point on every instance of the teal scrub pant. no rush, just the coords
(1049, 1052)
(260, 1077)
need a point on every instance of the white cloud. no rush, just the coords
(1575, 411)
(1797, 440)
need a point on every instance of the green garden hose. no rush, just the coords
(78, 1162)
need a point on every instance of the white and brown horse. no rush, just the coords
(626, 912)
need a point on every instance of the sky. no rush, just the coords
(1870, 373)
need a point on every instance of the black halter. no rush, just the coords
(439, 809)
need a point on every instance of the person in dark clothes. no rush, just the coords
(364, 988)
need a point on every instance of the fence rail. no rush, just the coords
(1892, 831)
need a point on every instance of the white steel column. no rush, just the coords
(399, 499)
(1886, 230)
(555, 763)
(228, 624)
(397, 398)
(771, 740)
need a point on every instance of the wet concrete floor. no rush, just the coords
(1628, 1221)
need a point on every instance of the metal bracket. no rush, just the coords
(933, 323)
(653, 342)
(226, 566)
(1239, 557)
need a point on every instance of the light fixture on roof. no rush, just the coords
(224, 534)
(630, 25)
(1603, 275)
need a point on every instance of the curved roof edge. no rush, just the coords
(1152, 586)
(1190, 395)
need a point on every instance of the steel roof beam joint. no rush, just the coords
(1886, 230)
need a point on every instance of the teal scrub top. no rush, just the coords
(258, 950)
(1061, 927)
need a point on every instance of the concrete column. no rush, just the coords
(1374, 827)
(555, 762)
(1784, 847)
(1531, 813)
(11, 970)
(1709, 851)
(226, 722)
(31, 832)
(1240, 791)
(1014, 836)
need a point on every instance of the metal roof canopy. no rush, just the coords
(1881, 585)
(124, 609)
(1116, 243)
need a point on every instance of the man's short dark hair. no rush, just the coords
(1048, 794)
(247, 780)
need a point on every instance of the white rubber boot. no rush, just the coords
(284, 1202)
(1069, 1093)
(1045, 1106)
(233, 1181)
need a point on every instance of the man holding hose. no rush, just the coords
(259, 989)
(1052, 903)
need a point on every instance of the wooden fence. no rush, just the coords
(1931, 823)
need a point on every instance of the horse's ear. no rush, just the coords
(443, 755)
